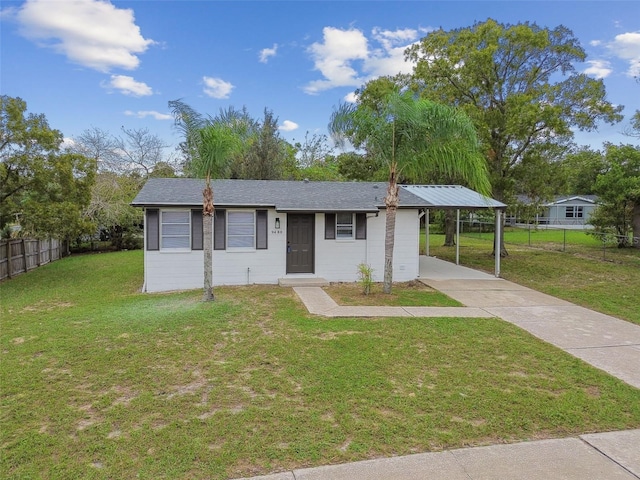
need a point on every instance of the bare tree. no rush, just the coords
(136, 151)
(313, 149)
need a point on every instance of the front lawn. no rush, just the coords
(100, 381)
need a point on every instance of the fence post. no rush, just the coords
(529, 234)
(564, 239)
(38, 259)
(9, 262)
(24, 254)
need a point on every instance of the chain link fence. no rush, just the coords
(604, 246)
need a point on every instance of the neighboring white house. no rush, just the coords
(569, 211)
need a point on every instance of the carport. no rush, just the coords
(457, 197)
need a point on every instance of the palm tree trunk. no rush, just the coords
(391, 202)
(207, 225)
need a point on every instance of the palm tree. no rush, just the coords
(411, 135)
(210, 146)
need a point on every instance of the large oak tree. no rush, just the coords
(518, 84)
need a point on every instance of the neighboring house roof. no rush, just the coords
(560, 200)
(452, 196)
(286, 196)
(571, 198)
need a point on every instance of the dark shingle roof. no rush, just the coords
(283, 195)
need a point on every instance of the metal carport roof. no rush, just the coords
(457, 197)
(452, 197)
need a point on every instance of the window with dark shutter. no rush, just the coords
(219, 230)
(196, 230)
(261, 229)
(361, 226)
(329, 226)
(153, 229)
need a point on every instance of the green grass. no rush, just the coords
(100, 381)
(609, 286)
(405, 294)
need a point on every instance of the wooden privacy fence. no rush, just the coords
(24, 254)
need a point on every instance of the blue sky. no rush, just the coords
(92, 63)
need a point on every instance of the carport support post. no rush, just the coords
(498, 247)
(426, 230)
(458, 236)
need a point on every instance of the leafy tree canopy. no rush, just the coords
(517, 83)
(618, 189)
(45, 189)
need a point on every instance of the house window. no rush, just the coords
(241, 230)
(574, 212)
(341, 225)
(176, 229)
(344, 225)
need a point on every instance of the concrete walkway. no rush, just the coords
(600, 456)
(319, 303)
(605, 342)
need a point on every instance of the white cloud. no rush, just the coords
(67, 143)
(288, 126)
(334, 58)
(128, 86)
(351, 97)
(627, 47)
(216, 87)
(265, 53)
(92, 33)
(148, 113)
(595, 43)
(345, 58)
(598, 68)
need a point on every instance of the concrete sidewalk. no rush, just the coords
(601, 456)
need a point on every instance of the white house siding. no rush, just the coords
(556, 214)
(166, 271)
(171, 270)
(338, 260)
(335, 260)
(236, 267)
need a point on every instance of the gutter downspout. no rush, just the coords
(144, 246)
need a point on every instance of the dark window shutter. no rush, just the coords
(361, 226)
(329, 226)
(220, 230)
(153, 229)
(261, 229)
(196, 230)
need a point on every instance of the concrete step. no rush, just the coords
(302, 282)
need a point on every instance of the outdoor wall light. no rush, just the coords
(277, 222)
